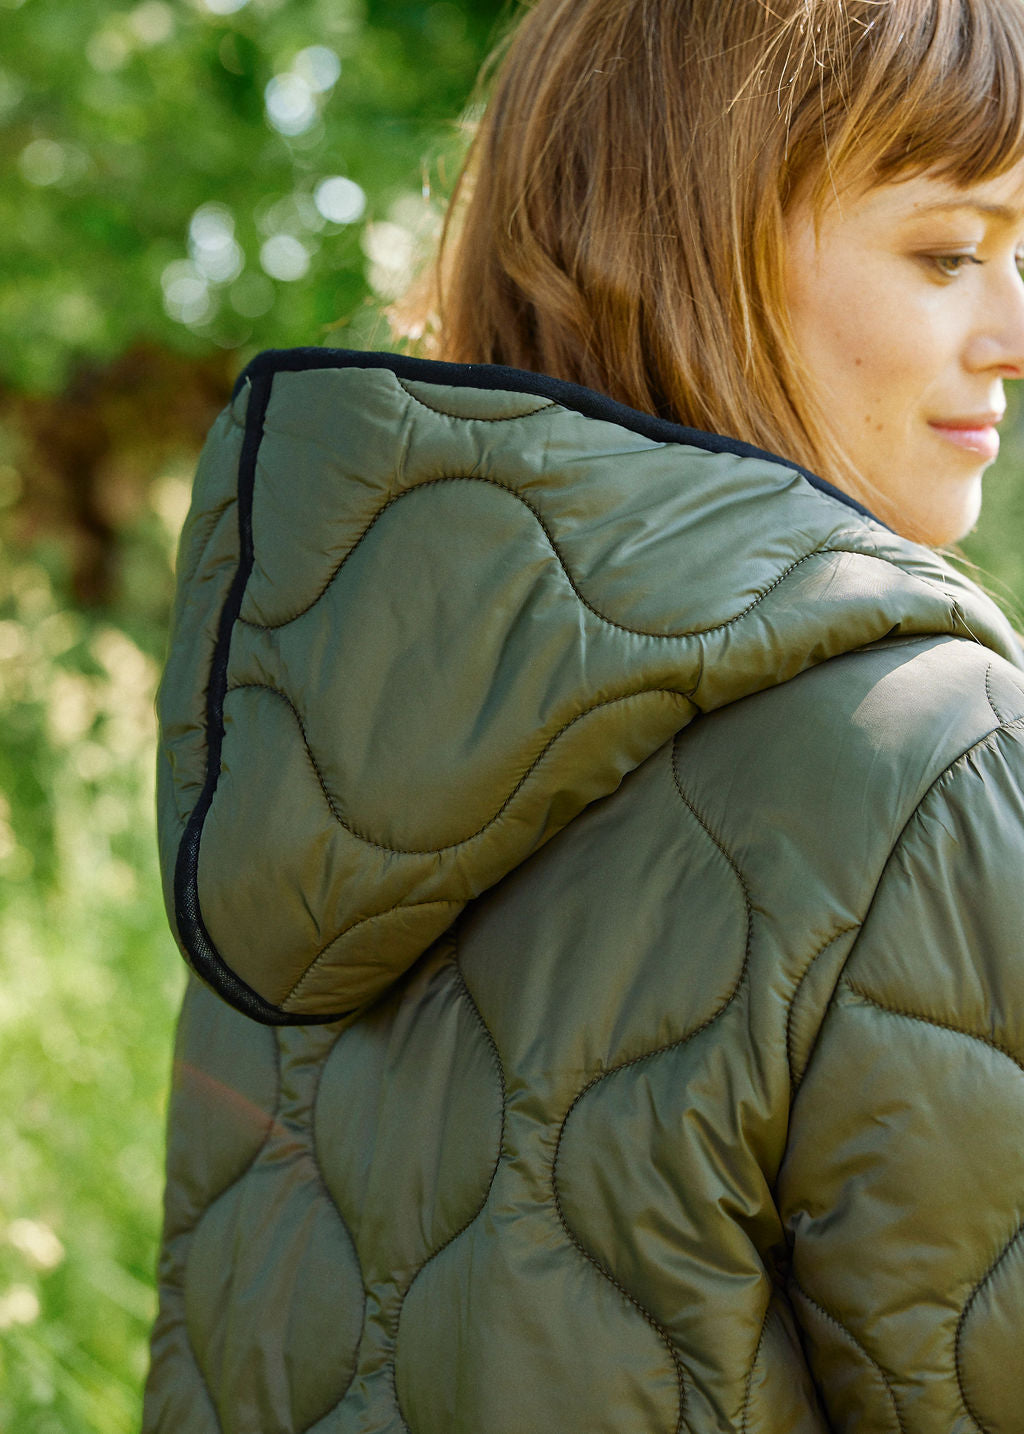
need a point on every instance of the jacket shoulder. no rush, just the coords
(900, 1185)
(834, 762)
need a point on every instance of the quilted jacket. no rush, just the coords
(600, 848)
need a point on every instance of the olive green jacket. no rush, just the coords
(602, 848)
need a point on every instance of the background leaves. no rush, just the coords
(121, 124)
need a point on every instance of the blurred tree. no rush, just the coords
(182, 184)
(223, 172)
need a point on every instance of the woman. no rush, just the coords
(610, 832)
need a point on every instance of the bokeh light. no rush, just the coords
(187, 296)
(340, 200)
(212, 245)
(291, 108)
(284, 257)
(318, 66)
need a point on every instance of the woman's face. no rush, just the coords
(907, 308)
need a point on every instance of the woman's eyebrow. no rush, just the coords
(1004, 212)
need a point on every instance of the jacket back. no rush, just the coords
(619, 836)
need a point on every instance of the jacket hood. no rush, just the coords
(427, 613)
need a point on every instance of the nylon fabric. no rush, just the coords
(642, 826)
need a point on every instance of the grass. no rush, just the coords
(89, 984)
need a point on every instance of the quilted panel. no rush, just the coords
(223, 1099)
(352, 912)
(892, 1195)
(569, 1229)
(705, 1114)
(274, 1243)
(780, 1393)
(907, 1218)
(409, 1120)
(176, 1396)
(856, 1388)
(530, 663)
(364, 719)
(641, 1208)
(485, 1299)
(988, 1338)
(527, 1138)
(564, 934)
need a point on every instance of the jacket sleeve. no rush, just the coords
(902, 1188)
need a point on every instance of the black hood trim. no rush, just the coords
(586, 401)
(202, 954)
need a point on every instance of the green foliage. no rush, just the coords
(89, 981)
(120, 124)
(997, 544)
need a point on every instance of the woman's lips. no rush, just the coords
(974, 435)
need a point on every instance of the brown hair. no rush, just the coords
(619, 221)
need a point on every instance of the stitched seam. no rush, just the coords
(549, 535)
(202, 1377)
(202, 536)
(745, 1421)
(898, 844)
(603, 1269)
(296, 989)
(190, 1352)
(314, 1149)
(462, 841)
(465, 418)
(574, 1239)
(1001, 717)
(216, 1201)
(897, 847)
(836, 936)
(988, 693)
(687, 802)
(461, 985)
(958, 1344)
(832, 1319)
(933, 1021)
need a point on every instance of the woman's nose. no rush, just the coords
(999, 340)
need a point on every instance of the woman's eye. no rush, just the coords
(949, 265)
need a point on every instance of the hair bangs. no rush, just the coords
(956, 94)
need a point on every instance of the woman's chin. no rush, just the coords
(943, 514)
